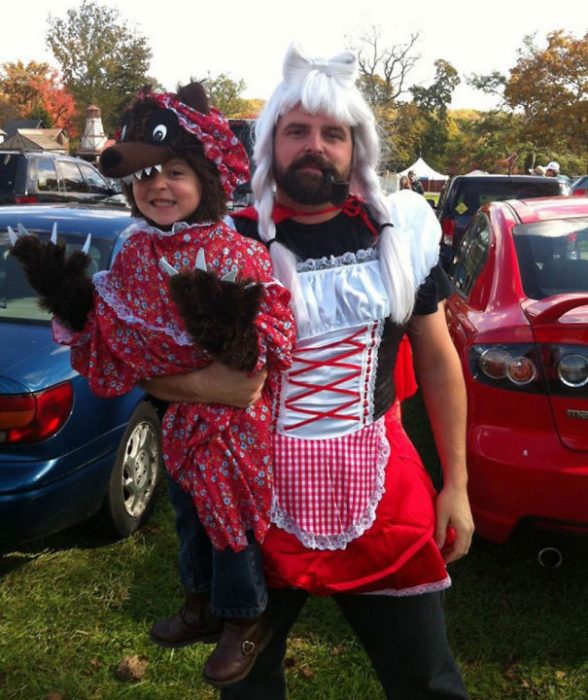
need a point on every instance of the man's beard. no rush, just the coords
(307, 187)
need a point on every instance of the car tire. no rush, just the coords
(136, 474)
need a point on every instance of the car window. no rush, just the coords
(94, 181)
(476, 192)
(553, 256)
(46, 175)
(8, 168)
(72, 177)
(18, 301)
(471, 255)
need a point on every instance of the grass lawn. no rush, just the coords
(73, 608)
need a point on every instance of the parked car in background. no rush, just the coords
(465, 194)
(243, 130)
(519, 320)
(65, 453)
(32, 177)
(580, 186)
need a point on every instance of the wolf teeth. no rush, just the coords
(147, 171)
(200, 261)
(166, 267)
(86, 246)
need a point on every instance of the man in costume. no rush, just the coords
(355, 513)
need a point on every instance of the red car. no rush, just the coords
(519, 319)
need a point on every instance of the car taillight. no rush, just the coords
(580, 193)
(505, 364)
(448, 231)
(26, 199)
(557, 369)
(26, 418)
(572, 369)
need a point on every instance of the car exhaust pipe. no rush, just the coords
(550, 557)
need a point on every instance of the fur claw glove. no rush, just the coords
(219, 315)
(61, 281)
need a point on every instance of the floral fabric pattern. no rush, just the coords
(220, 455)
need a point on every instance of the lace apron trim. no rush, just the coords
(327, 491)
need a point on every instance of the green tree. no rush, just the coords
(226, 94)
(433, 103)
(102, 60)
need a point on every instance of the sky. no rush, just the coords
(247, 40)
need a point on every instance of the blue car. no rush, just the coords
(65, 453)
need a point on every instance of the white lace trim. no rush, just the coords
(310, 540)
(374, 350)
(178, 227)
(324, 263)
(109, 296)
(414, 590)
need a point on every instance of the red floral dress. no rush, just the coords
(219, 454)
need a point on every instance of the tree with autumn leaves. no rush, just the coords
(34, 91)
(542, 116)
(549, 89)
(544, 107)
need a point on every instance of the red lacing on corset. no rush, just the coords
(349, 347)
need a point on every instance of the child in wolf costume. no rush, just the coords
(185, 289)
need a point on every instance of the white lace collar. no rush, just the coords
(330, 261)
(178, 227)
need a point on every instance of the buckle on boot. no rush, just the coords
(248, 648)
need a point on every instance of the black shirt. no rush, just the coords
(340, 235)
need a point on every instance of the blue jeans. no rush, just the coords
(234, 580)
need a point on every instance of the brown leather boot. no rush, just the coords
(193, 623)
(239, 645)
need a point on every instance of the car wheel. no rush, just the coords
(136, 474)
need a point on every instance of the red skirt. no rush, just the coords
(397, 554)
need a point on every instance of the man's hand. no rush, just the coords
(453, 510)
(215, 383)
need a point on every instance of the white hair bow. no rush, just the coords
(297, 66)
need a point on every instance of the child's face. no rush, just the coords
(169, 196)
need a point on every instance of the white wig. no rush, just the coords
(328, 86)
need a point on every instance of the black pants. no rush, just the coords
(404, 638)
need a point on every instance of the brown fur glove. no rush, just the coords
(219, 315)
(61, 281)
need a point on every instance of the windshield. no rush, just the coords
(18, 301)
(553, 256)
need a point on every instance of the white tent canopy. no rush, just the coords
(422, 170)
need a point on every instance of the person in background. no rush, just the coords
(415, 183)
(405, 183)
(552, 169)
